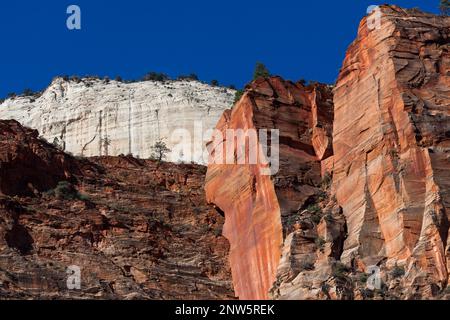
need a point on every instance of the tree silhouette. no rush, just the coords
(260, 71)
(160, 150)
(445, 7)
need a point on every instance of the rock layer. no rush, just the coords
(136, 229)
(92, 117)
(260, 209)
(392, 146)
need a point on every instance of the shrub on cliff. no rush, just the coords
(238, 95)
(445, 7)
(160, 151)
(260, 71)
(155, 76)
(214, 83)
(397, 272)
(191, 76)
(66, 191)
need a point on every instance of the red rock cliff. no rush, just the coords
(258, 208)
(391, 144)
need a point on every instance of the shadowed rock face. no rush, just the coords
(392, 147)
(29, 164)
(136, 230)
(259, 209)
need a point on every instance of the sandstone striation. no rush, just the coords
(92, 117)
(261, 209)
(392, 147)
(136, 229)
(375, 205)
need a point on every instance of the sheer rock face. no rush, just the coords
(391, 143)
(139, 231)
(260, 209)
(92, 117)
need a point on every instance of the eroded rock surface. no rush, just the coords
(136, 229)
(261, 209)
(92, 117)
(392, 147)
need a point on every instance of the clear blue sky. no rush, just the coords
(216, 39)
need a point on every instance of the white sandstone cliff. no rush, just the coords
(94, 117)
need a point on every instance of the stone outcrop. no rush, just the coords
(391, 144)
(92, 117)
(367, 218)
(260, 209)
(136, 229)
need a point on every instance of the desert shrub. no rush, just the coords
(260, 71)
(155, 76)
(214, 83)
(326, 180)
(313, 208)
(66, 191)
(306, 265)
(160, 150)
(445, 7)
(218, 231)
(398, 272)
(316, 219)
(238, 95)
(340, 270)
(363, 277)
(320, 243)
(191, 76)
(28, 92)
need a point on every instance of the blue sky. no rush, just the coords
(215, 39)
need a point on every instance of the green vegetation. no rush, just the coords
(445, 7)
(238, 95)
(190, 77)
(160, 150)
(313, 208)
(340, 270)
(320, 243)
(155, 76)
(66, 191)
(215, 83)
(398, 272)
(306, 265)
(260, 71)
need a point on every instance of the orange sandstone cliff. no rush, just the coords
(362, 185)
(258, 208)
(391, 144)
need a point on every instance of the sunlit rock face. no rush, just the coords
(260, 209)
(93, 117)
(391, 144)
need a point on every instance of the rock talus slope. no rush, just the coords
(92, 117)
(391, 144)
(259, 208)
(136, 229)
